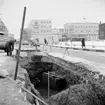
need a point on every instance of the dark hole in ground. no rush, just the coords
(59, 77)
(56, 83)
(91, 92)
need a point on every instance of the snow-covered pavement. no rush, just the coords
(93, 45)
(93, 66)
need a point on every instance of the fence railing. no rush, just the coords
(65, 46)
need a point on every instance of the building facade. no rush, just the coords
(102, 31)
(55, 31)
(89, 31)
(59, 32)
(26, 34)
(40, 27)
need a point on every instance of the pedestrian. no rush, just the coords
(83, 43)
(34, 43)
(10, 47)
(45, 41)
(38, 42)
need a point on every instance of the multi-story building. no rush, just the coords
(40, 27)
(89, 31)
(26, 34)
(55, 31)
(102, 31)
(59, 32)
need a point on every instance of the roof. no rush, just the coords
(3, 28)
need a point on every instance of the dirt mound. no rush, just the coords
(82, 94)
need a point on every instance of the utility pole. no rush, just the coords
(21, 33)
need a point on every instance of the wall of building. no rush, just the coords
(88, 30)
(40, 26)
(59, 32)
(102, 31)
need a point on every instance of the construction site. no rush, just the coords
(36, 75)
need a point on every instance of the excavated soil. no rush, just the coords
(82, 87)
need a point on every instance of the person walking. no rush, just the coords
(10, 47)
(83, 43)
(45, 41)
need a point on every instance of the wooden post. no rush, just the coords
(50, 48)
(18, 55)
(48, 85)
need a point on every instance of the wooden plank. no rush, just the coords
(18, 56)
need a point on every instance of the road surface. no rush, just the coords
(98, 57)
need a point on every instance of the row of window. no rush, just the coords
(45, 31)
(71, 30)
(45, 26)
(83, 26)
(86, 26)
(89, 35)
(42, 31)
(86, 31)
(42, 26)
(45, 22)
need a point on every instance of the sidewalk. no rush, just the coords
(76, 47)
(10, 93)
(9, 63)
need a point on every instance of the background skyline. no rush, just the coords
(59, 11)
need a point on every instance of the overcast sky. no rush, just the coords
(59, 11)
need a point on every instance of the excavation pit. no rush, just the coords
(79, 85)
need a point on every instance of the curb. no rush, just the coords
(94, 50)
(89, 50)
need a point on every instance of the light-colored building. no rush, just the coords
(40, 26)
(59, 32)
(26, 34)
(87, 30)
(55, 31)
(102, 31)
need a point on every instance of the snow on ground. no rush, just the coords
(93, 45)
(93, 66)
(89, 44)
